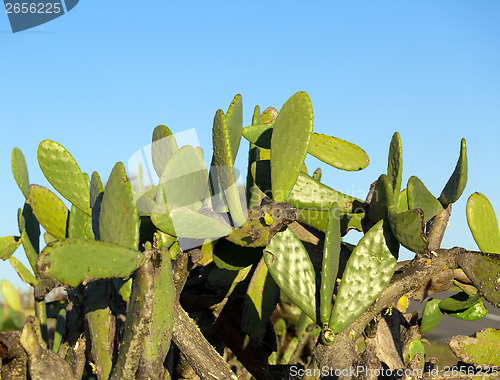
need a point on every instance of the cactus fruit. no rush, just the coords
(62, 172)
(291, 268)
(49, 210)
(330, 265)
(367, 273)
(483, 223)
(482, 350)
(289, 144)
(8, 246)
(20, 171)
(76, 261)
(118, 218)
(309, 193)
(163, 147)
(420, 197)
(431, 316)
(458, 180)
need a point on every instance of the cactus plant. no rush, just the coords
(135, 262)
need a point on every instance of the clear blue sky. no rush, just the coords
(100, 78)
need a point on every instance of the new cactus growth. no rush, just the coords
(136, 264)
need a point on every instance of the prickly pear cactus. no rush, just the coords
(367, 273)
(481, 350)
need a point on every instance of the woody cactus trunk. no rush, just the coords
(186, 278)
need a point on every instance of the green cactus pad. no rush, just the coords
(76, 261)
(252, 191)
(261, 175)
(163, 147)
(259, 134)
(473, 313)
(319, 220)
(409, 229)
(49, 210)
(395, 163)
(231, 256)
(402, 204)
(183, 222)
(8, 246)
(309, 193)
(146, 201)
(62, 172)
(268, 115)
(157, 340)
(338, 153)
(317, 174)
(20, 171)
(234, 122)
(222, 172)
(101, 326)
(416, 347)
(184, 181)
(481, 350)
(330, 267)
(118, 219)
(30, 234)
(10, 295)
(260, 301)
(483, 223)
(290, 142)
(459, 301)
(136, 328)
(291, 268)
(458, 180)
(367, 273)
(96, 188)
(383, 198)
(431, 316)
(23, 272)
(420, 197)
(257, 232)
(79, 223)
(483, 269)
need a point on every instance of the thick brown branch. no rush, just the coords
(206, 362)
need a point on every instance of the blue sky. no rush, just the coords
(100, 78)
